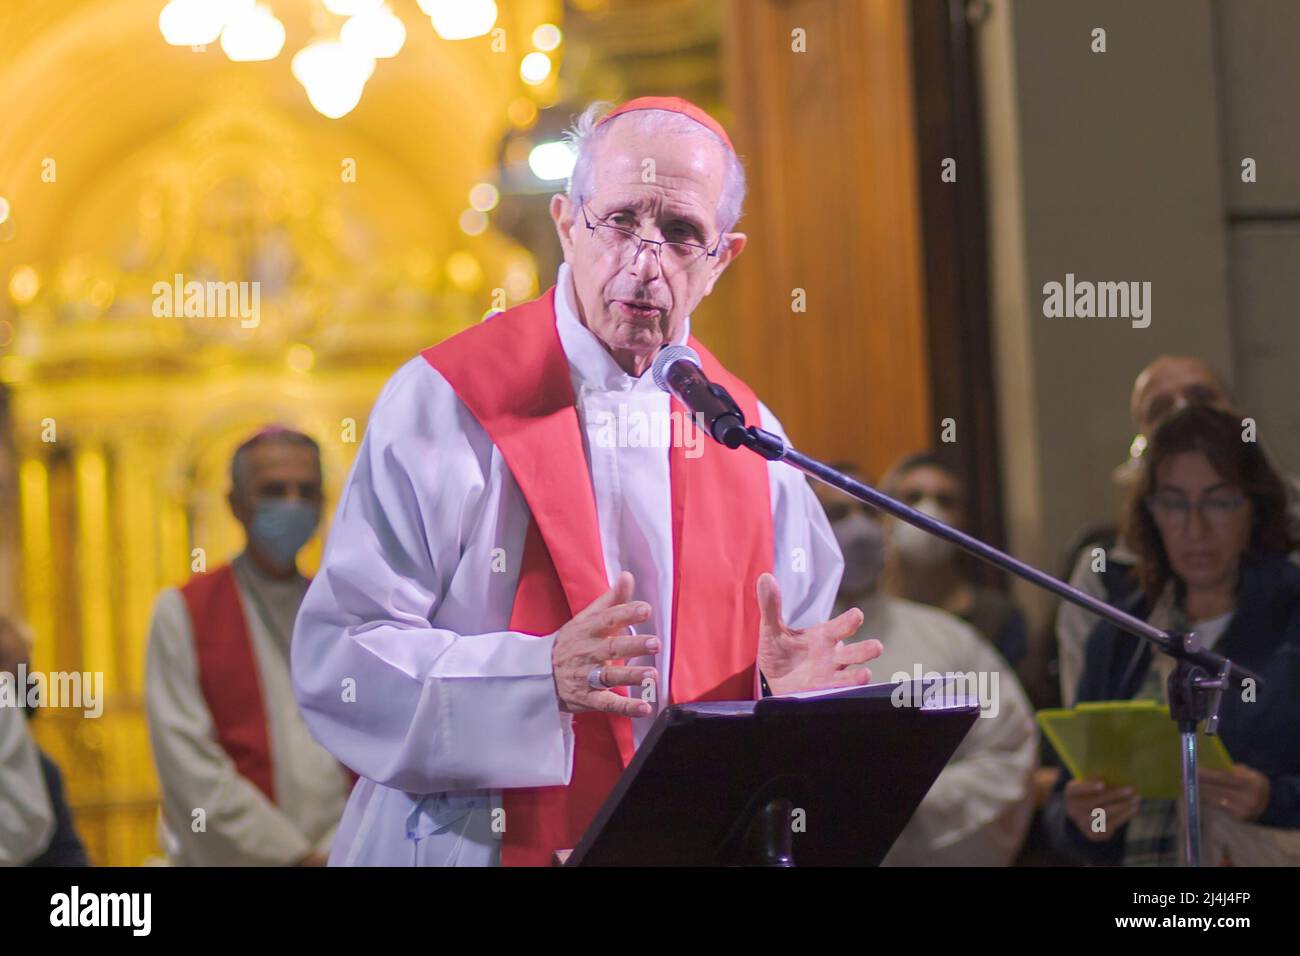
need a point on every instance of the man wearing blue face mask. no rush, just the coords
(243, 781)
(978, 809)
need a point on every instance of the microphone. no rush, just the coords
(677, 371)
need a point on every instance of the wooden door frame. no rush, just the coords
(955, 253)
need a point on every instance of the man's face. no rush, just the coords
(278, 470)
(860, 537)
(636, 303)
(13, 652)
(836, 503)
(942, 490)
(1168, 384)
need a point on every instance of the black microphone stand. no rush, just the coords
(1199, 678)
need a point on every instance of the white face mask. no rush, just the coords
(862, 542)
(919, 547)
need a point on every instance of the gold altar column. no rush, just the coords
(93, 556)
(38, 552)
(135, 489)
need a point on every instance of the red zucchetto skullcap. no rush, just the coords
(673, 104)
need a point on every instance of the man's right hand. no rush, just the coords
(595, 636)
(1120, 805)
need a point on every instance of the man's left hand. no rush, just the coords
(809, 658)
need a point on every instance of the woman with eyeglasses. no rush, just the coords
(1208, 520)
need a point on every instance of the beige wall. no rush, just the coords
(1258, 46)
(1107, 165)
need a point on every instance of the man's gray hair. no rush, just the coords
(584, 135)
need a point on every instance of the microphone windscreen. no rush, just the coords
(666, 357)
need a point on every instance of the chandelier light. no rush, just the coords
(461, 19)
(333, 75)
(253, 34)
(334, 70)
(374, 33)
(198, 22)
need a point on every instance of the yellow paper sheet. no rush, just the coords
(1126, 743)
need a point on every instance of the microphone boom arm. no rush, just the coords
(1195, 687)
(773, 448)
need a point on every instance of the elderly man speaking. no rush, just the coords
(505, 564)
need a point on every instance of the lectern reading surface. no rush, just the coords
(829, 778)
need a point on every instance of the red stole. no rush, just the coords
(228, 674)
(512, 374)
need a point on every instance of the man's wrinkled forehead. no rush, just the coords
(278, 460)
(681, 171)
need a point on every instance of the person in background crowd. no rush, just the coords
(1208, 523)
(930, 570)
(243, 782)
(27, 820)
(978, 810)
(1168, 383)
(65, 847)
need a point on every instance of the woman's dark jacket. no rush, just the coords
(1264, 636)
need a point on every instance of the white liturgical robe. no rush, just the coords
(402, 657)
(240, 826)
(978, 810)
(26, 815)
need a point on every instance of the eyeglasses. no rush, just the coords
(1215, 510)
(945, 500)
(626, 245)
(839, 510)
